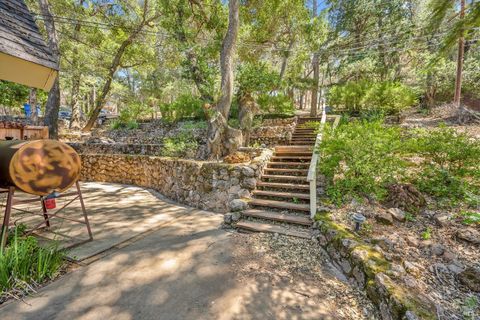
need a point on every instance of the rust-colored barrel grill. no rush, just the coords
(38, 167)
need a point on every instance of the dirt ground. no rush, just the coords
(190, 268)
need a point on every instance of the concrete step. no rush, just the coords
(280, 205)
(277, 216)
(289, 195)
(283, 185)
(288, 178)
(264, 227)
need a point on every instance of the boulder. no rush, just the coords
(237, 205)
(441, 219)
(397, 214)
(469, 234)
(470, 278)
(384, 218)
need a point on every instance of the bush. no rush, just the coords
(276, 104)
(360, 159)
(186, 106)
(182, 145)
(23, 261)
(366, 98)
(451, 166)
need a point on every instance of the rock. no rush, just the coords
(470, 278)
(456, 269)
(449, 255)
(248, 172)
(396, 270)
(442, 219)
(397, 214)
(236, 216)
(237, 205)
(410, 281)
(412, 241)
(411, 268)
(249, 183)
(437, 249)
(409, 315)
(346, 267)
(359, 277)
(244, 193)
(406, 197)
(469, 234)
(227, 218)
(384, 218)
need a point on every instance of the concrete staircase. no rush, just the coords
(281, 203)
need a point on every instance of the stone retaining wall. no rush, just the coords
(371, 271)
(206, 185)
(117, 148)
(273, 132)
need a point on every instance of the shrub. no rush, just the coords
(276, 104)
(186, 106)
(451, 166)
(182, 145)
(24, 261)
(360, 159)
(366, 98)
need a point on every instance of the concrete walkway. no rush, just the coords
(188, 269)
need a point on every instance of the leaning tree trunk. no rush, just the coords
(53, 101)
(222, 139)
(100, 101)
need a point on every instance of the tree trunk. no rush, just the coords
(461, 48)
(285, 59)
(53, 102)
(316, 78)
(223, 139)
(32, 100)
(100, 101)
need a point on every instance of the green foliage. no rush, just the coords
(470, 218)
(445, 166)
(256, 78)
(427, 234)
(182, 145)
(13, 95)
(359, 169)
(276, 104)
(450, 169)
(186, 106)
(24, 261)
(372, 98)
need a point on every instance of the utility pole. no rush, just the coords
(461, 51)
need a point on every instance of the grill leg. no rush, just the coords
(6, 218)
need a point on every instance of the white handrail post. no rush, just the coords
(313, 197)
